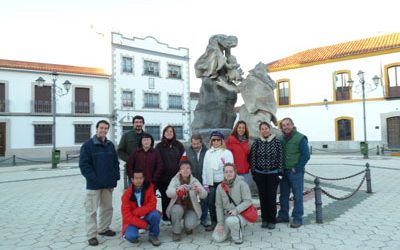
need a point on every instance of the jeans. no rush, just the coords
(211, 202)
(292, 182)
(204, 210)
(153, 218)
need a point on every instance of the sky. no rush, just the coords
(77, 32)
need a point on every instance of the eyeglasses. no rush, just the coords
(215, 140)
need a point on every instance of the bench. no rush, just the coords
(72, 154)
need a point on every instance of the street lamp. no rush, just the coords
(56, 91)
(375, 79)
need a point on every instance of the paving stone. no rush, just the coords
(303, 246)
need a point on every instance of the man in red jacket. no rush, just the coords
(139, 210)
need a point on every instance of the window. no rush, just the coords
(126, 129)
(283, 92)
(2, 97)
(127, 99)
(151, 83)
(82, 103)
(179, 132)
(342, 88)
(43, 134)
(344, 128)
(150, 68)
(175, 102)
(393, 86)
(82, 132)
(154, 131)
(151, 100)
(174, 71)
(127, 66)
(42, 103)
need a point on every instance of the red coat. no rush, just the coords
(240, 153)
(131, 213)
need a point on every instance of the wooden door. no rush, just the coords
(393, 132)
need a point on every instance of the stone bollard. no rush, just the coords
(318, 200)
(310, 149)
(368, 178)
(377, 150)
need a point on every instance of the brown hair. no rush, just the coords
(173, 131)
(234, 131)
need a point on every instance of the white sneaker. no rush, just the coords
(142, 231)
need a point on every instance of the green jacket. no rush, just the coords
(129, 142)
(291, 149)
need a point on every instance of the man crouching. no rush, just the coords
(139, 210)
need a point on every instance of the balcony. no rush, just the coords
(82, 108)
(4, 106)
(41, 106)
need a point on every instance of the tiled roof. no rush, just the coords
(51, 67)
(376, 44)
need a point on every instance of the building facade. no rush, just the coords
(150, 79)
(313, 88)
(26, 107)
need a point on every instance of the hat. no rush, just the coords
(216, 134)
(184, 157)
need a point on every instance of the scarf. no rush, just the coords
(229, 184)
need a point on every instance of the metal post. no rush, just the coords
(53, 129)
(377, 150)
(368, 178)
(364, 117)
(318, 201)
(310, 149)
(14, 163)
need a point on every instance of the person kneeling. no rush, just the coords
(139, 210)
(184, 191)
(229, 204)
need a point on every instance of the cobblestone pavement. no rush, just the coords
(43, 208)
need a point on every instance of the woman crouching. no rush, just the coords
(229, 204)
(184, 191)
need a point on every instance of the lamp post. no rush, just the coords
(56, 91)
(375, 79)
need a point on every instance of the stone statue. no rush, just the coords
(258, 95)
(215, 109)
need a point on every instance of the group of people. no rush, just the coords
(193, 182)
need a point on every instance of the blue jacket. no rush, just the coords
(99, 164)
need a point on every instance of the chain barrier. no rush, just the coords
(35, 161)
(335, 179)
(4, 160)
(340, 152)
(346, 196)
(318, 190)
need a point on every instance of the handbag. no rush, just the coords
(250, 214)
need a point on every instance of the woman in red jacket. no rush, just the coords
(139, 210)
(238, 144)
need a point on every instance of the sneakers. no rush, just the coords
(211, 227)
(166, 222)
(176, 237)
(281, 220)
(93, 242)
(109, 232)
(271, 226)
(295, 225)
(142, 231)
(154, 241)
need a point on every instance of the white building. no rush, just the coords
(150, 79)
(26, 108)
(313, 90)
